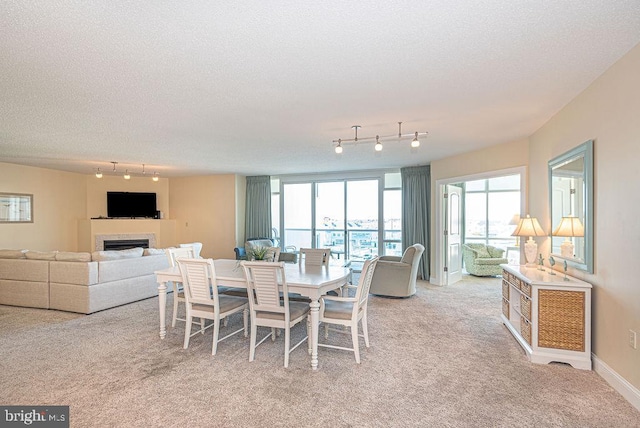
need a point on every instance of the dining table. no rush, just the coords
(309, 281)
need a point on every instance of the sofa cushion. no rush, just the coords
(24, 270)
(494, 251)
(480, 249)
(73, 272)
(153, 252)
(12, 254)
(407, 257)
(41, 255)
(68, 256)
(491, 261)
(114, 270)
(99, 256)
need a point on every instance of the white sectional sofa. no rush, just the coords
(78, 282)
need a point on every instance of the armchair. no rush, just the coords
(483, 260)
(396, 276)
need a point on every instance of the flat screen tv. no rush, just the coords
(131, 204)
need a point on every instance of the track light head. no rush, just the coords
(126, 175)
(99, 173)
(378, 145)
(339, 147)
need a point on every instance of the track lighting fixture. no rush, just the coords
(127, 174)
(415, 143)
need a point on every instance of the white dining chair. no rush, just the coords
(314, 256)
(264, 281)
(178, 291)
(197, 248)
(202, 300)
(349, 311)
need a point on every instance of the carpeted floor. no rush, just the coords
(439, 359)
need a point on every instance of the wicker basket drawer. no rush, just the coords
(506, 275)
(525, 306)
(562, 320)
(516, 282)
(505, 289)
(525, 329)
(505, 307)
(526, 288)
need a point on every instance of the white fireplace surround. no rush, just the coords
(124, 236)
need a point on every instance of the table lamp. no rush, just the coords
(529, 226)
(569, 227)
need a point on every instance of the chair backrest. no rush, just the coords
(364, 284)
(197, 247)
(415, 263)
(198, 281)
(314, 256)
(264, 281)
(184, 252)
(272, 255)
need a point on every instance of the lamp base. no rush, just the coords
(530, 252)
(566, 249)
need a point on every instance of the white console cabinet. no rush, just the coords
(549, 316)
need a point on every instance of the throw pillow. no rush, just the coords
(68, 256)
(153, 251)
(12, 254)
(41, 255)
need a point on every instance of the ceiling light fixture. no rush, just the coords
(127, 175)
(415, 143)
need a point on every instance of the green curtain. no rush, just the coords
(257, 222)
(416, 197)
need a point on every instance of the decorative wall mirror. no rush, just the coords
(16, 208)
(571, 202)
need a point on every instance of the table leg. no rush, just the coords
(315, 321)
(162, 302)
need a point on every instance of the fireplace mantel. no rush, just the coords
(92, 233)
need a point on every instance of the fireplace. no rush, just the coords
(122, 241)
(125, 244)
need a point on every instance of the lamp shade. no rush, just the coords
(528, 226)
(569, 226)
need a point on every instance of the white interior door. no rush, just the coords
(453, 234)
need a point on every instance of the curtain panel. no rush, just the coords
(416, 197)
(257, 222)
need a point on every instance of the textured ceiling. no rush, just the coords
(256, 87)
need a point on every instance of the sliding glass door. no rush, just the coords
(340, 214)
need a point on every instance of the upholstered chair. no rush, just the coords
(483, 260)
(396, 276)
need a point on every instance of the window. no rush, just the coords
(340, 213)
(489, 207)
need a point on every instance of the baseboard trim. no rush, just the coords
(617, 382)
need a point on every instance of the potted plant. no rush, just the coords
(259, 253)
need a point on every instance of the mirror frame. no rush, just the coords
(584, 150)
(17, 199)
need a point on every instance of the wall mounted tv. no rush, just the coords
(131, 204)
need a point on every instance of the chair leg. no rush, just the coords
(252, 345)
(175, 308)
(216, 334)
(225, 322)
(201, 325)
(365, 329)
(287, 337)
(245, 318)
(326, 330)
(354, 339)
(273, 334)
(187, 331)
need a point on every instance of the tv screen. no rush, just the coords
(131, 204)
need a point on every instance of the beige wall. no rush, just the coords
(205, 211)
(494, 158)
(59, 201)
(607, 111)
